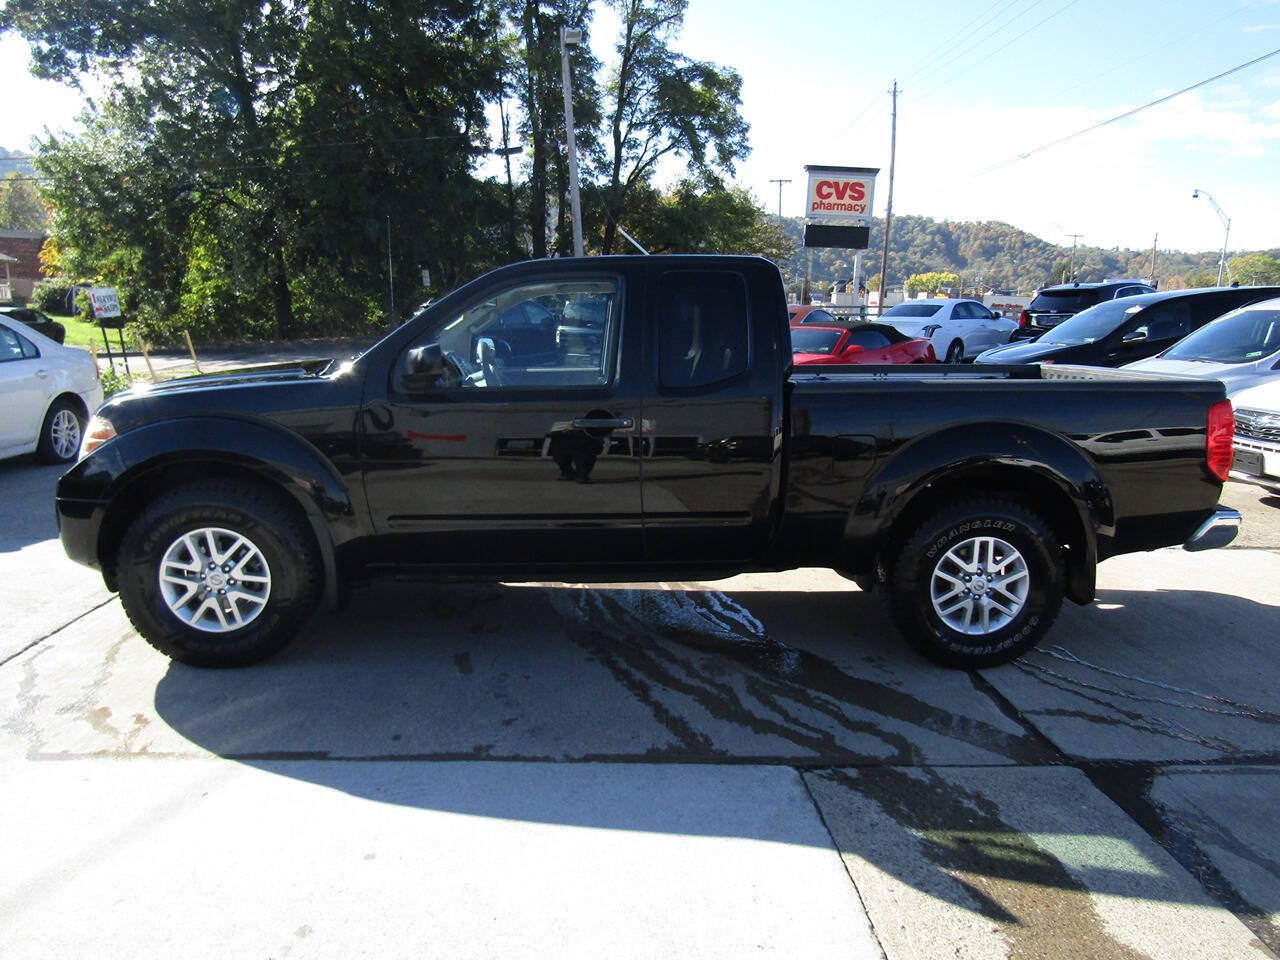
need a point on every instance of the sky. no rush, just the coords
(982, 81)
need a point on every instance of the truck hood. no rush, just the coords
(264, 373)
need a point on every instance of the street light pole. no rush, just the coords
(1226, 222)
(570, 38)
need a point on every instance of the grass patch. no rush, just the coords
(80, 332)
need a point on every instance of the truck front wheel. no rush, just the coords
(977, 584)
(218, 574)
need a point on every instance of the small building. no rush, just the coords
(20, 268)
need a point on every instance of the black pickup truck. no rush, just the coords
(631, 419)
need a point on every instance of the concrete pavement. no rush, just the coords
(753, 766)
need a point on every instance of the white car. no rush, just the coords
(1240, 348)
(958, 329)
(47, 392)
(1257, 458)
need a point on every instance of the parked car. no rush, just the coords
(1052, 305)
(958, 329)
(1119, 332)
(37, 321)
(810, 314)
(47, 392)
(227, 509)
(1257, 442)
(1241, 349)
(858, 343)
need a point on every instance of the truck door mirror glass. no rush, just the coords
(423, 368)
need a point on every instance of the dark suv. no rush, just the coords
(1052, 305)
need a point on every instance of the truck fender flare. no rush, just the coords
(281, 458)
(973, 449)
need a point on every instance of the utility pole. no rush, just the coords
(888, 209)
(1154, 244)
(569, 38)
(1075, 237)
(779, 183)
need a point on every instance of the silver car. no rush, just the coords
(1240, 348)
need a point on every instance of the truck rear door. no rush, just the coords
(712, 424)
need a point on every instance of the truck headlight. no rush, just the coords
(98, 431)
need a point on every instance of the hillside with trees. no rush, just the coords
(990, 254)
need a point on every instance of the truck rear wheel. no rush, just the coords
(218, 574)
(977, 584)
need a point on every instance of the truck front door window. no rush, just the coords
(552, 334)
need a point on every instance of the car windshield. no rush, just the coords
(1093, 324)
(913, 310)
(1240, 337)
(1064, 301)
(813, 340)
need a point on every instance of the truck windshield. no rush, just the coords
(1241, 337)
(813, 340)
(1093, 324)
(913, 310)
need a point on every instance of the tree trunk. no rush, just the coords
(538, 171)
(280, 295)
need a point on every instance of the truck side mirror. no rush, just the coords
(1134, 336)
(851, 349)
(422, 368)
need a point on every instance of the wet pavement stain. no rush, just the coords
(1129, 787)
(705, 646)
(1032, 900)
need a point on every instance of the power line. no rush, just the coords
(957, 38)
(861, 113)
(1128, 113)
(933, 71)
(1092, 78)
(1009, 43)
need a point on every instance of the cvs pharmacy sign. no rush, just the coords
(840, 193)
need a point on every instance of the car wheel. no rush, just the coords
(61, 432)
(219, 574)
(955, 352)
(977, 584)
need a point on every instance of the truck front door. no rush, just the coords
(514, 443)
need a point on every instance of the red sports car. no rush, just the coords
(858, 343)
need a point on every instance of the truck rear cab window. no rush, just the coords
(703, 328)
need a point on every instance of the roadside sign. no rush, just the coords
(841, 194)
(104, 301)
(844, 238)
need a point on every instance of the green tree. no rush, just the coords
(20, 206)
(1255, 269)
(661, 103)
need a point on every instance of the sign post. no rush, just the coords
(105, 304)
(837, 212)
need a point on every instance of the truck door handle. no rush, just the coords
(42, 373)
(604, 423)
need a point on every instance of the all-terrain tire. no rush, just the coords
(908, 576)
(265, 520)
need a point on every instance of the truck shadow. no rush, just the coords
(660, 710)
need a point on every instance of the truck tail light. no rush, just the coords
(1022, 319)
(1220, 442)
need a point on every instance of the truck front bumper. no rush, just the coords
(1218, 530)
